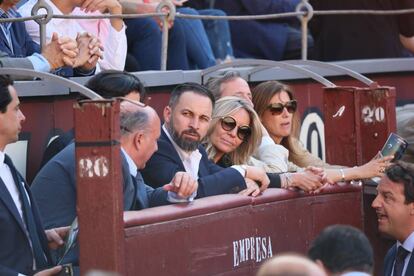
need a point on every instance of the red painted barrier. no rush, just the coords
(232, 234)
(99, 188)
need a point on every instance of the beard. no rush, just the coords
(185, 144)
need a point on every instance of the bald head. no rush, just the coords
(136, 116)
(290, 265)
(140, 129)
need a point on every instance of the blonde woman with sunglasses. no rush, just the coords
(235, 133)
(276, 106)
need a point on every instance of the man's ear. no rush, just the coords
(322, 266)
(411, 205)
(138, 139)
(167, 114)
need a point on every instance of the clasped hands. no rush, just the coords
(83, 53)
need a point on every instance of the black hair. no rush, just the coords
(5, 97)
(113, 83)
(341, 248)
(189, 87)
(403, 173)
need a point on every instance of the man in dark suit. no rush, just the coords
(24, 242)
(54, 187)
(187, 118)
(394, 205)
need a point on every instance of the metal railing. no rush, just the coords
(304, 12)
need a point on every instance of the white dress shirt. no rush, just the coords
(191, 160)
(8, 180)
(408, 245)
(355, 273)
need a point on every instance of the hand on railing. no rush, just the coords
(183, 184)
(307, 180)
(60, 51)
(252, 188)
(258, 175)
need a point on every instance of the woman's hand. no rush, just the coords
(375, 167)
(252, 188)
(259, 175)
(306, 181)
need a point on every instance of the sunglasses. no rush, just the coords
(229, 123)
(277, 108)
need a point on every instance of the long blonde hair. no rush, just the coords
(227, 106)
(262, 94)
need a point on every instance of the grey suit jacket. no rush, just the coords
(6, 61)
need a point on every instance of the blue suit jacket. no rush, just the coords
(213, 179)
(15, 251)
(389, 262)
(263, 39)
(54, 190)
(23, 44)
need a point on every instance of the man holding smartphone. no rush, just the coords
(24, 243)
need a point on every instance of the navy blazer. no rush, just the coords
(389, 262)
(54, 189)
(15, 251)
(23, 44)
(213, 179)
(262, 39)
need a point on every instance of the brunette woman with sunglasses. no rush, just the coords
(235, 133)
(276, 106)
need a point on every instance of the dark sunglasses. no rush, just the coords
(229, 123)
(277, 108)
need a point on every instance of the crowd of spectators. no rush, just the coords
(135, 44)
(219, 139)
(204, 147)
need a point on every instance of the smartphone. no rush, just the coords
(395, 145)
(67, 270)
(71, 239)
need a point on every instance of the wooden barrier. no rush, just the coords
(226, 234)
(232, 234)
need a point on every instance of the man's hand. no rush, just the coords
(60, 51)
(259, 175)
(90, 51)
(252, 188)
(183, 184)
(55, 236)
(51, 271)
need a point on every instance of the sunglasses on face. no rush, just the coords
(277, 108)
(229, 123)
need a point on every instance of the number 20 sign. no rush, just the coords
(372, 114)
